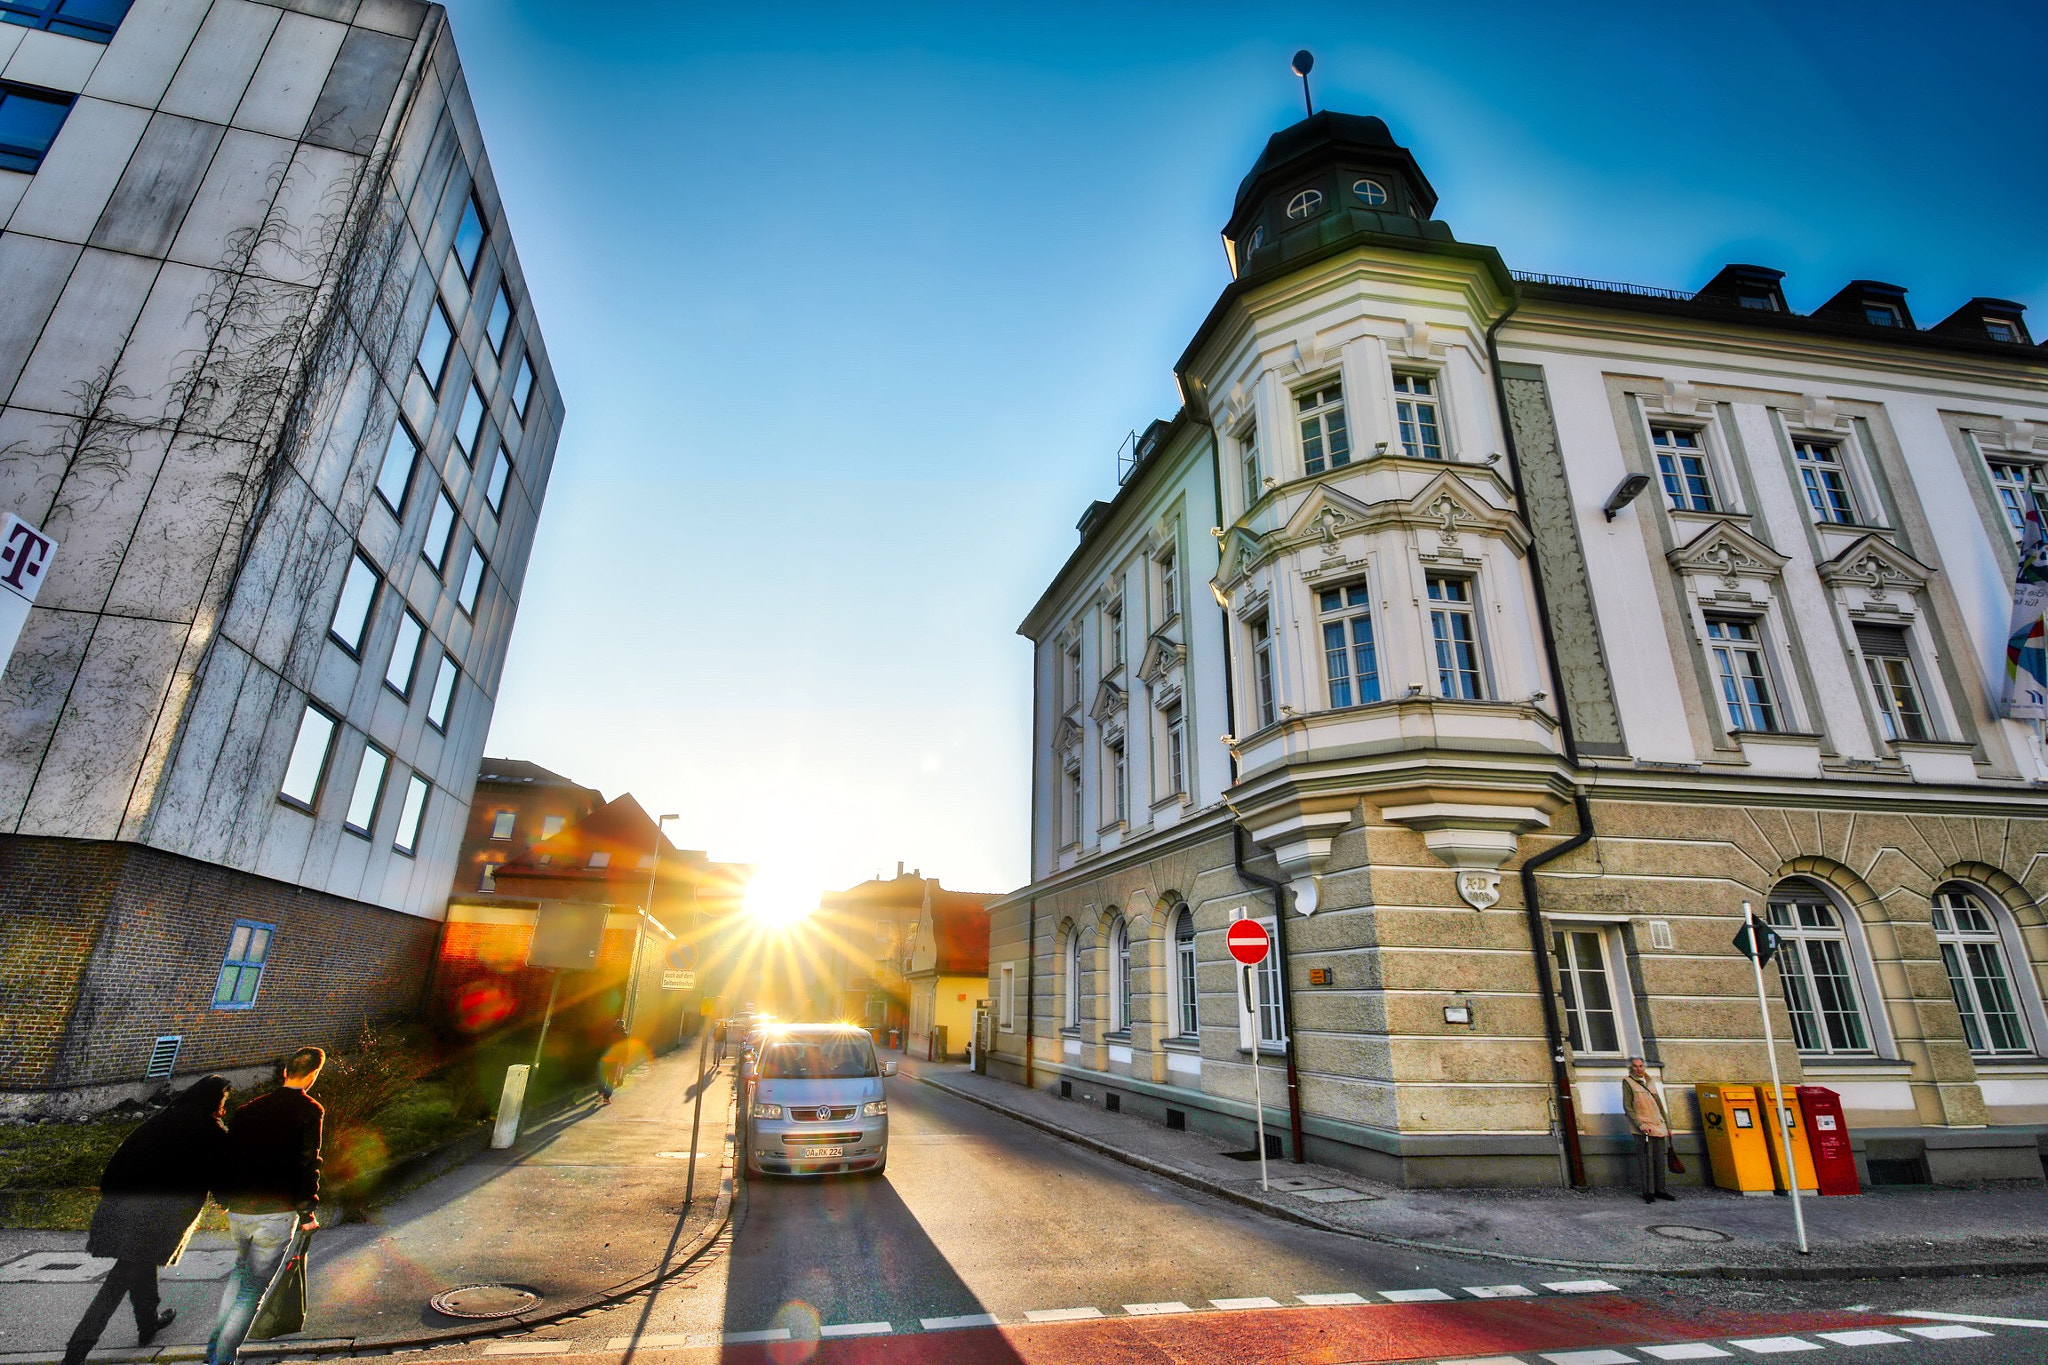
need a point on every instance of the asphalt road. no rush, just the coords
(1087, 1258)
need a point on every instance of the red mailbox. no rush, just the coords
(1827, 1136)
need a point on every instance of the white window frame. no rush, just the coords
(1722, 650)
(1670, 457)
(1070, 806)
(1174, 753)
(1443, 613)
(1248, 465)
(1344, 617)
(1113, 634)
(1304, 205)
(1167, 564)
(1006, 998)
(1418, 413)
(1117, 771)
(1070, 669)
(1567, 954)
(1075, 968)
(2017, 497)
(2006, 947)
(1795, 959)
(1811, 472)
(1187, 1015)
(1322, 425)
(1888, 673)
(1120, 976)
(1265, 687)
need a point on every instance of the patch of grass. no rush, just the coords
(68, 1210)
(51, 1156)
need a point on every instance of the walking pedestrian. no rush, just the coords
(1652, 1127)
(270, 1188)
(150, 1198)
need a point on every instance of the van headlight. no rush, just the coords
(875, 1108)
(767, 1111)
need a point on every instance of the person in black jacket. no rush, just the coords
(150, 1198)
(270, 1185)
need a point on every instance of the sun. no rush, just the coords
(779, 897)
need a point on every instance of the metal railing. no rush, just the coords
(1648, 291)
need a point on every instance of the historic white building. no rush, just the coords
(271, 379)
(1445, 574)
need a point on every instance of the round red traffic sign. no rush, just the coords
(1248, 941)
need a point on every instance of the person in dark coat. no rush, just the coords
(150, 1198)
(270, 1185)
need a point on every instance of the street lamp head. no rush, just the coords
(1304, 62)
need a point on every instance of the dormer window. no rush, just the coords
(1305, 204)
(1882, 315)
(1257, 240)
(1998, 329)
(1752, 298)
(1371, 193)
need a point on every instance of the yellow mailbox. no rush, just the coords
(1734, 1129)
(1802, 1155)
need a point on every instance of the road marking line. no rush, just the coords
(1414, 1295)
(1246, 1303)
(1588, 1358)
(1146, 1310)
(1486, 1360)
(654, 1340)
(1690, 1350)
(1323, 1300)
(1868, 1336)
(1498, 1291)
(858, 1329)
(750, 1338)
(1773, 1346)
(1946, 1331)
(528, 1348)
(1582, 1287)
(1061, 1314)
(964, 1320)
(1973, 1317)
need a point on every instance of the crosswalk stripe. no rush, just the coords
(1582, 1287)
(1588, 1358)
(751, 1338)
(654, 1340)
(1414, 1295)
(1146, 1310)
(1773, 1346)
(1061, 1314)
(1863, 1336)
(1327, 1300)
(528, 1348)
(1946, 1331)
(964, 1320)
(1246, 1303)
(1498, 1291)
(857, 1329)
(1685, 1350)
(1972, 1317)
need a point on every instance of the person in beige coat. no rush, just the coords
(1651, 1124)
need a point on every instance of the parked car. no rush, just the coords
(815, 1104)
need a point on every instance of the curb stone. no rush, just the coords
(1909, 1271)
(685, 1259)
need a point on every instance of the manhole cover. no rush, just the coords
(1679, 1232)
(484, 1301)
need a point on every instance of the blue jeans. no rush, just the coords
(261, 1240)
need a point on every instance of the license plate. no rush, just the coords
(819, 1153)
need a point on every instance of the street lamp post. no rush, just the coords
(640, 929)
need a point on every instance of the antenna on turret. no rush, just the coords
(1304, 62)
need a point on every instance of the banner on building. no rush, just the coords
(2026, 662)
(25, 555)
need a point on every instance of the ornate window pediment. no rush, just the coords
(1161, 657)
(1877, 577)
(1109, 702)
(1451, 507)
(1066, 737)
(1726, 551)
(1241, 552)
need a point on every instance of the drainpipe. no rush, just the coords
(1237, 837)
(1539, 947)
(1031, 994)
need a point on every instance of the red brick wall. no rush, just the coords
(482, 984)
(107, 945)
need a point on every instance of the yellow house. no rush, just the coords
(948, 970)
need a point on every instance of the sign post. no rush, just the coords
(25, 554)
(1249, 943)
(1758, 942)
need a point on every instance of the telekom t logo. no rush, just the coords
(24, 554)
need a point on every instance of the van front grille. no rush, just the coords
(822, 1139)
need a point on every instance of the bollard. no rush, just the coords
(507, 1131)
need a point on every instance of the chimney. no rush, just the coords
(899, 867)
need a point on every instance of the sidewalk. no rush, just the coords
(1888, 1231)
(583, 1209)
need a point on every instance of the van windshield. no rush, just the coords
(820, 1058)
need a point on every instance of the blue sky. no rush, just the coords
(852, 306)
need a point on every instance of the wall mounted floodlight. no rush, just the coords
(1624, 493)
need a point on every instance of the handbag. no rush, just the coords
(1672, 1162)
(283, 1309)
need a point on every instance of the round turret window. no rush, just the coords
(1305, 203)
(1369, 192)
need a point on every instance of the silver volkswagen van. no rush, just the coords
(815, 1105)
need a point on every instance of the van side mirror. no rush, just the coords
(888, 1068)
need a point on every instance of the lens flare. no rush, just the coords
(802, 1321)
(781, 897)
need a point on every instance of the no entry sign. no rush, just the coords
(1248, 941)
